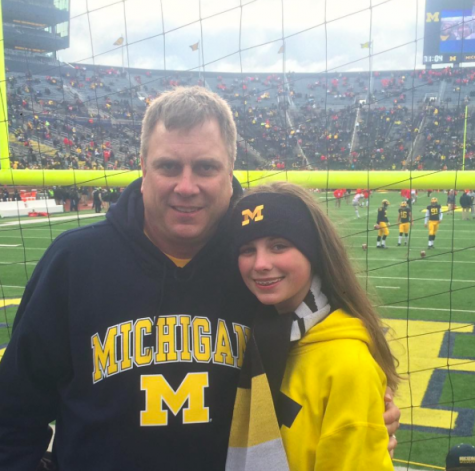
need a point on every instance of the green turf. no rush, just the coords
(440, 288)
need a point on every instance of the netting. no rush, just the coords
(323, 93)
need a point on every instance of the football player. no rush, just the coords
(383, 224)
(433, 217)
(405, 221)
(356, 203)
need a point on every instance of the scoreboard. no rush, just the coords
(449, 35)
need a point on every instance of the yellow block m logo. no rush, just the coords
(453, 58)
(432, 17)
(158, 391)
(255, 215)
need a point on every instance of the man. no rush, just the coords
(382, 224)
(140, 374)
(433, 217)
(451, 202)
(405, 221)
(356, 203)
(97, 200)
(74, 199)
(366, 194)
(338, 194)
(466, 204)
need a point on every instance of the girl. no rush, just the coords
(317, 363)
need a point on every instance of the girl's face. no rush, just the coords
(276, 272)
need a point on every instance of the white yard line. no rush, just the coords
(31, 229)
(50, 220)
(413, 237)
(389, 287)
(20, 237)
(20, 247)
(399, 468)
(7, 245)
(18, 263)
(415, 260)
(418, 279)
(428, 309)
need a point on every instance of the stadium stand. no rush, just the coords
(88, 117)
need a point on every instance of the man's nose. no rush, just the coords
(187, 183)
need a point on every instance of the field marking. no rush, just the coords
(395, 226)
(8, 245)
(398, 468)
(419, 279)
(9, 302)
(61, 218)
(19, 263)
(427, 309)
(21, 247)
(456, 248)
(14, 287)
(61, 227)
(404, 260)
(22, 237)
(406, 468)
(413, 237)
(389, 287)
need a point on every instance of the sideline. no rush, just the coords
(411, 278)
(42, 220)
(428, 309)
(414, 463)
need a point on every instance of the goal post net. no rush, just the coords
(338, 97)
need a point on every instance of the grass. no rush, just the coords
(428, 303)
(20, 250)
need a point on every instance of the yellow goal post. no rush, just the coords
(374, 180)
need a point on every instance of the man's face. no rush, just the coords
(187, 186)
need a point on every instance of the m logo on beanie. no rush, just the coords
(255, 215)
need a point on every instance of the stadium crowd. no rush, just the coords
(88, 117)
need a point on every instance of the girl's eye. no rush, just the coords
(246, 250)
(279, 246)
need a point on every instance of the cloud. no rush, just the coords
(235, 38)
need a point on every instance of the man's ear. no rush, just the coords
(231, 181)
(144, 170)
(143, 164)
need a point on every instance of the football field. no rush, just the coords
(428, 305)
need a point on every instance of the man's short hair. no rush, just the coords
(185, 108)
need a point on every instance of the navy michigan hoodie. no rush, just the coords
(136, 360)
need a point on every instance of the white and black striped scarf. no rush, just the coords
(255, 441)
(313, 310)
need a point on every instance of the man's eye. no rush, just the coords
(168, 166)
(207, 167)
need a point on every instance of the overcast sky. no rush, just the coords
(316, 40)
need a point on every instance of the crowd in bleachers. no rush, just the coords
(88, 117)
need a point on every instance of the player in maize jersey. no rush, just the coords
(383, 224)
(405, 221)
(433, 217)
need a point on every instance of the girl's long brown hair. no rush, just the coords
(339, 282)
